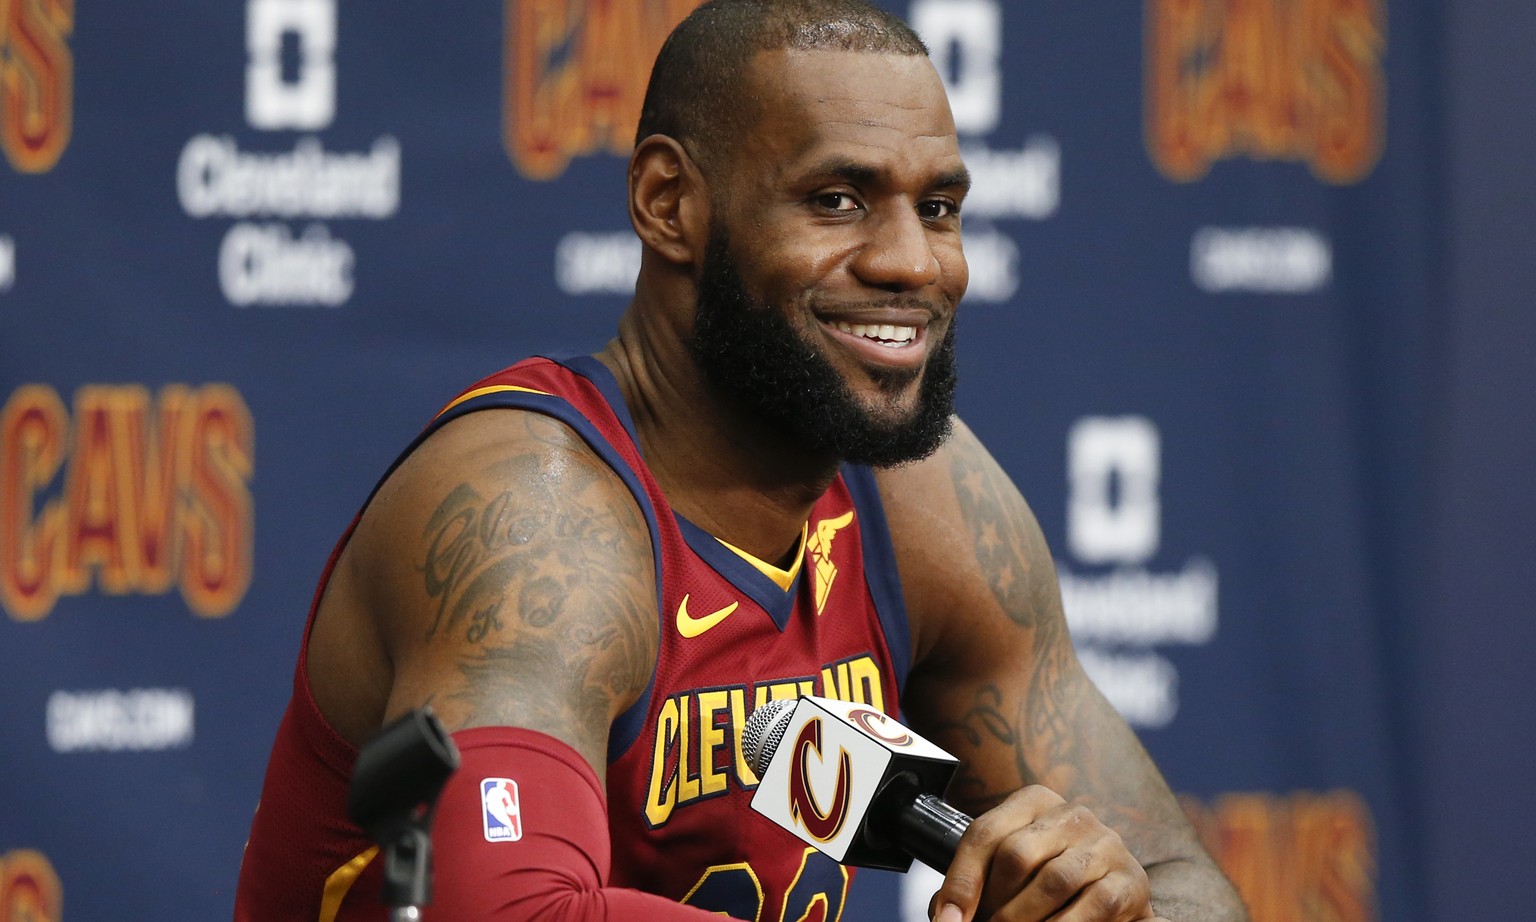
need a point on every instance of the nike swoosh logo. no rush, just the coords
(689, 626)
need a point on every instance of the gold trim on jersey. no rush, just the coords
(491, 389)
(340, 883)
(784, 578)
(828, 914)
(733, 866)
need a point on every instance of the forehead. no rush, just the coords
(887, 110)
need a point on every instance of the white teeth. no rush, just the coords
(886, 334)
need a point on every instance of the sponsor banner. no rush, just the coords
(1204, 242)
(267, 258)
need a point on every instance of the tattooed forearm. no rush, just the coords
(984, 736)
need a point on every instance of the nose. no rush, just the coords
(898, 256)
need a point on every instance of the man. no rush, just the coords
(593, 570)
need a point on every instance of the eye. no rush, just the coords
(836, 201)
(936, 209)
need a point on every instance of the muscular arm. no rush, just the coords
(504, 576)
(996, 681)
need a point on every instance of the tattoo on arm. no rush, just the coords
(1004, 547)
(1037, 730)
(541, 595)
(1037, 719)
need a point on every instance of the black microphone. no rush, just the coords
(854, 783)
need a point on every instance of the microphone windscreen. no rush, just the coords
(764, 731)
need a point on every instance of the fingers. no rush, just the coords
(1036, 857)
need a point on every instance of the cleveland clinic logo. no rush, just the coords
(281, 250)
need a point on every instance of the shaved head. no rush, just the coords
(698, 91)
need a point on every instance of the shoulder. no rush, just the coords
(970, 551)
(508, 573)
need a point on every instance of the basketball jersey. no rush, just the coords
(734, 634)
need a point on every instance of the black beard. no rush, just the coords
(749, 352)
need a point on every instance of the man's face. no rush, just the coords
(752, 353)
(827, 295)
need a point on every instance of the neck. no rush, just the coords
(725, 471)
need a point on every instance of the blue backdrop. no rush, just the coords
(1248, 323)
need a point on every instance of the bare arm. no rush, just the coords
(509, 576)
(504, 576)
(997, 683)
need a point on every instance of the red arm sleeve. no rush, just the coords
(521, 832)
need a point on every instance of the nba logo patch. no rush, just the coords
(502, 812)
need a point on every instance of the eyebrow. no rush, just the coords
(864, 175)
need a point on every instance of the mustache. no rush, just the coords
(900, 302)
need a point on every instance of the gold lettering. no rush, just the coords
(1351, 42)
(864, 683)
(660, 800)
(711, 739)
(33, 443)
(575, 74)
(92, 499)
(698, 746)
(155, 460)
(1266, 79)
(1176, 32)
(1303, 856)
(688, 781)
(216, 554)
(29, 888)
(147, 495)
(775, 691)
(36, 82)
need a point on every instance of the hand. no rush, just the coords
(1036, 857)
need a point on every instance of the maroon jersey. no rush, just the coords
(734, 633)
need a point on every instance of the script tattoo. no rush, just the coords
(984, 727)
(467, 538)
(544, 591)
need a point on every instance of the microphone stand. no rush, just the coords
(395, 784)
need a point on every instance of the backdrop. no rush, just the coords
(1248, 323)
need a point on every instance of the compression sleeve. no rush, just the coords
(521, 832)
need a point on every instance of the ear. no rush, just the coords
(668, 202)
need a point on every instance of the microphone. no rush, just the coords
(854, 783)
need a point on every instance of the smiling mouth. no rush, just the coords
(891, 336)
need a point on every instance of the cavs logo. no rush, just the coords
(575, 75)
(823, 825)
(151, 493)
(29, 888)
(820, 546)
(1268, 79)
(36, 81)
(876, 724)
(1298, 855)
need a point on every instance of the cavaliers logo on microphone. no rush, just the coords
(823, 825)
(878, 725)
